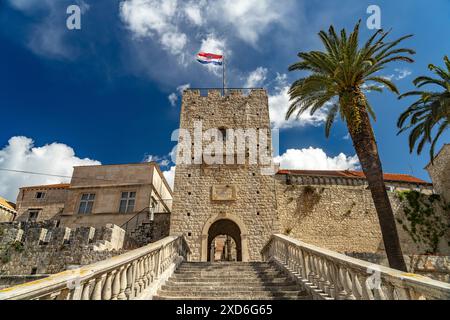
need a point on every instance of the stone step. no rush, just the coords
(240, 269)
(232, 295)
(229, 281)
(225, 273)
(191, 278)
(228, 289)
(224, 278)
(225, 263)
(232, 298)
(247, 282)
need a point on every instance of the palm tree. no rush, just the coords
(431, 110)
(340, 75)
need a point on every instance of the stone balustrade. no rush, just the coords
(125, 277)
(329, 275)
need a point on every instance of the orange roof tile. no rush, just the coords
(49, 186)
(355, 174)
(8, 205)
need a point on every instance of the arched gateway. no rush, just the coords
(229, 226)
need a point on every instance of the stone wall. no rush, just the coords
(6, 215)
(338, 217)
(439, 172)
(45, 248)
(251, 204)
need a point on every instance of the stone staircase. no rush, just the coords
(229, 281)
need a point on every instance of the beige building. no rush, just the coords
(115, 194)
(39, 203)
(7, 210)
(100, 195)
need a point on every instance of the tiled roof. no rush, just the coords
(7, 204)
(49, 186)
(354, 174)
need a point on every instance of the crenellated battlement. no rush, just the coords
(48, 233)
(215, 93)
(45, 247)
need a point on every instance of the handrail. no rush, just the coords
(125, 225)
(330, 275)
(122, 277)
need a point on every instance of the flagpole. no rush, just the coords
(223, 76)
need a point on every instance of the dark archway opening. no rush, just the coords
(230, 233)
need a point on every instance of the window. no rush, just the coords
(127, 202)
(40, 195)
(86, 203)
(33, 215)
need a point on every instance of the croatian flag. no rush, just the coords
(208, 58)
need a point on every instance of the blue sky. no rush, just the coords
(101, 94)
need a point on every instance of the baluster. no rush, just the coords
(97, 292)
(131, 281)
(75, 293)
(140, 276)
(116, 284)
(327, 278)
(316, 278)
(366, 292)
(123, 283)
(107, 287)
(87, 290)
(333, 280)
(147, 270)
(342, 292)
(346, 281)
(356, 286)
(395, 293)
(304, 257)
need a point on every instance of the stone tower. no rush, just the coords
(234, 198)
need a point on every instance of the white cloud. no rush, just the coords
(155, 19)
(168, 21)
(170, 176)
(278, 106)
(21, 154)
(402, 74)
(174, 42)
(173, 97)
(194, 13)
(250, 18)
(315, 159)
(48, 36)
(256, 78)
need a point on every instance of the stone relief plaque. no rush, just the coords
(223, 193)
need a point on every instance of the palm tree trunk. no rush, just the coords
(367, 151)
